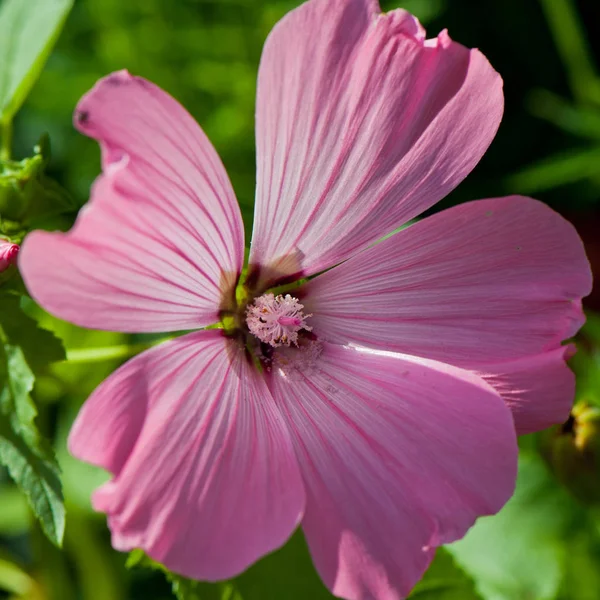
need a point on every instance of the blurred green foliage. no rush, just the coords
(28, 31)
(545, 545)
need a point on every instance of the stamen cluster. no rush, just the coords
(276, 320)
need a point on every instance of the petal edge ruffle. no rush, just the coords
(160, 244)
(362, 124)
(398, 454)
(205, 476)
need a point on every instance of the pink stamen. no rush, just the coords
(290, 321)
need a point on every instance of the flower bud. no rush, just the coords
(8, 254)
(31, 200)
(572, 451)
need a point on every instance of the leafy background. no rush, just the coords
(545, 544)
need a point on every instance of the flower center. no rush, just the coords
(276, 320)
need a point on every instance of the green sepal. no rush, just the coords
(29, 199)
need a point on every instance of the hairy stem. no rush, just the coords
(91, 355)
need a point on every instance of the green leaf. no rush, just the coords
(583, 121)
(287, 573)
(567, 29)
(582, 580)
(556, 170)
(28, 31)
(28, 457)
(591, 329)
(15, 402)
(37, 474)
(520, 552)
(14, 516)
(185, 589)
(40, 346)
(444, 580)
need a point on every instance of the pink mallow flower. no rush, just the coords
(8, 254)
(374, 404)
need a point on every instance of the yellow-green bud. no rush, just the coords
(572, 451)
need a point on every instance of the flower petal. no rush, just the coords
(206, 480)
(160, 245)
(398, 454)
(539, 389)
(362, 124)
(481, 283)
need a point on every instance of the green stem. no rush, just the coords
(582, 121)
(89, 355)
(569, 36)
(99, 576)
(13, 579)
(52, 567)
(6, 139)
